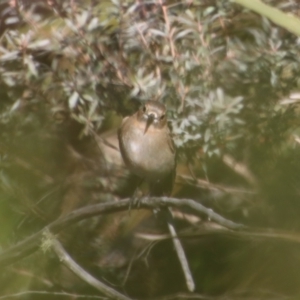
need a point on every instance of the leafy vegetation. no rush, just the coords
(69, 72)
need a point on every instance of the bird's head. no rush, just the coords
(152, 113)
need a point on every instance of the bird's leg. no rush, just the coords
(135, 198)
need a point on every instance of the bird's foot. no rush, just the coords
(134, 202)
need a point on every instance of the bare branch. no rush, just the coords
(240, 169)
(43, 293)
(180, 253)
(67, 260)
(32, 243)
(204, 184)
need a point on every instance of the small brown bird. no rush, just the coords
(148, 151)
(147, 147)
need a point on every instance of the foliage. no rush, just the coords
(69, 70)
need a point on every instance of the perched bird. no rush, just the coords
(147, 147)
(148, 151)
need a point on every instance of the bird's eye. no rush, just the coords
(162, 117)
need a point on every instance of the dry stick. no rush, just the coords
(180, 252)
(204, 184)
(285, 20)
(67, 260)
(45, 293)
(240, 169)
(32, 243)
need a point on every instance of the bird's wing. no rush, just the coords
(171, 143)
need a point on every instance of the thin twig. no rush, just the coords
(67, 260)
(240, 168)
(44, 293)
(180, 253)
(205, 184)
(168, 27)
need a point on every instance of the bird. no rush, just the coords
(148, 151)
(147, 147)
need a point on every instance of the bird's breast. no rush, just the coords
(147, 154)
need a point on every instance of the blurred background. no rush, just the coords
(71, 70)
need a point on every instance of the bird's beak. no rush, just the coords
(149, 122)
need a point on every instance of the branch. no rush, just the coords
(32, 243)
(205, 184)
(67, 260)
(48, 294)
(240, 169)
(180, 253)
(287, 21)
